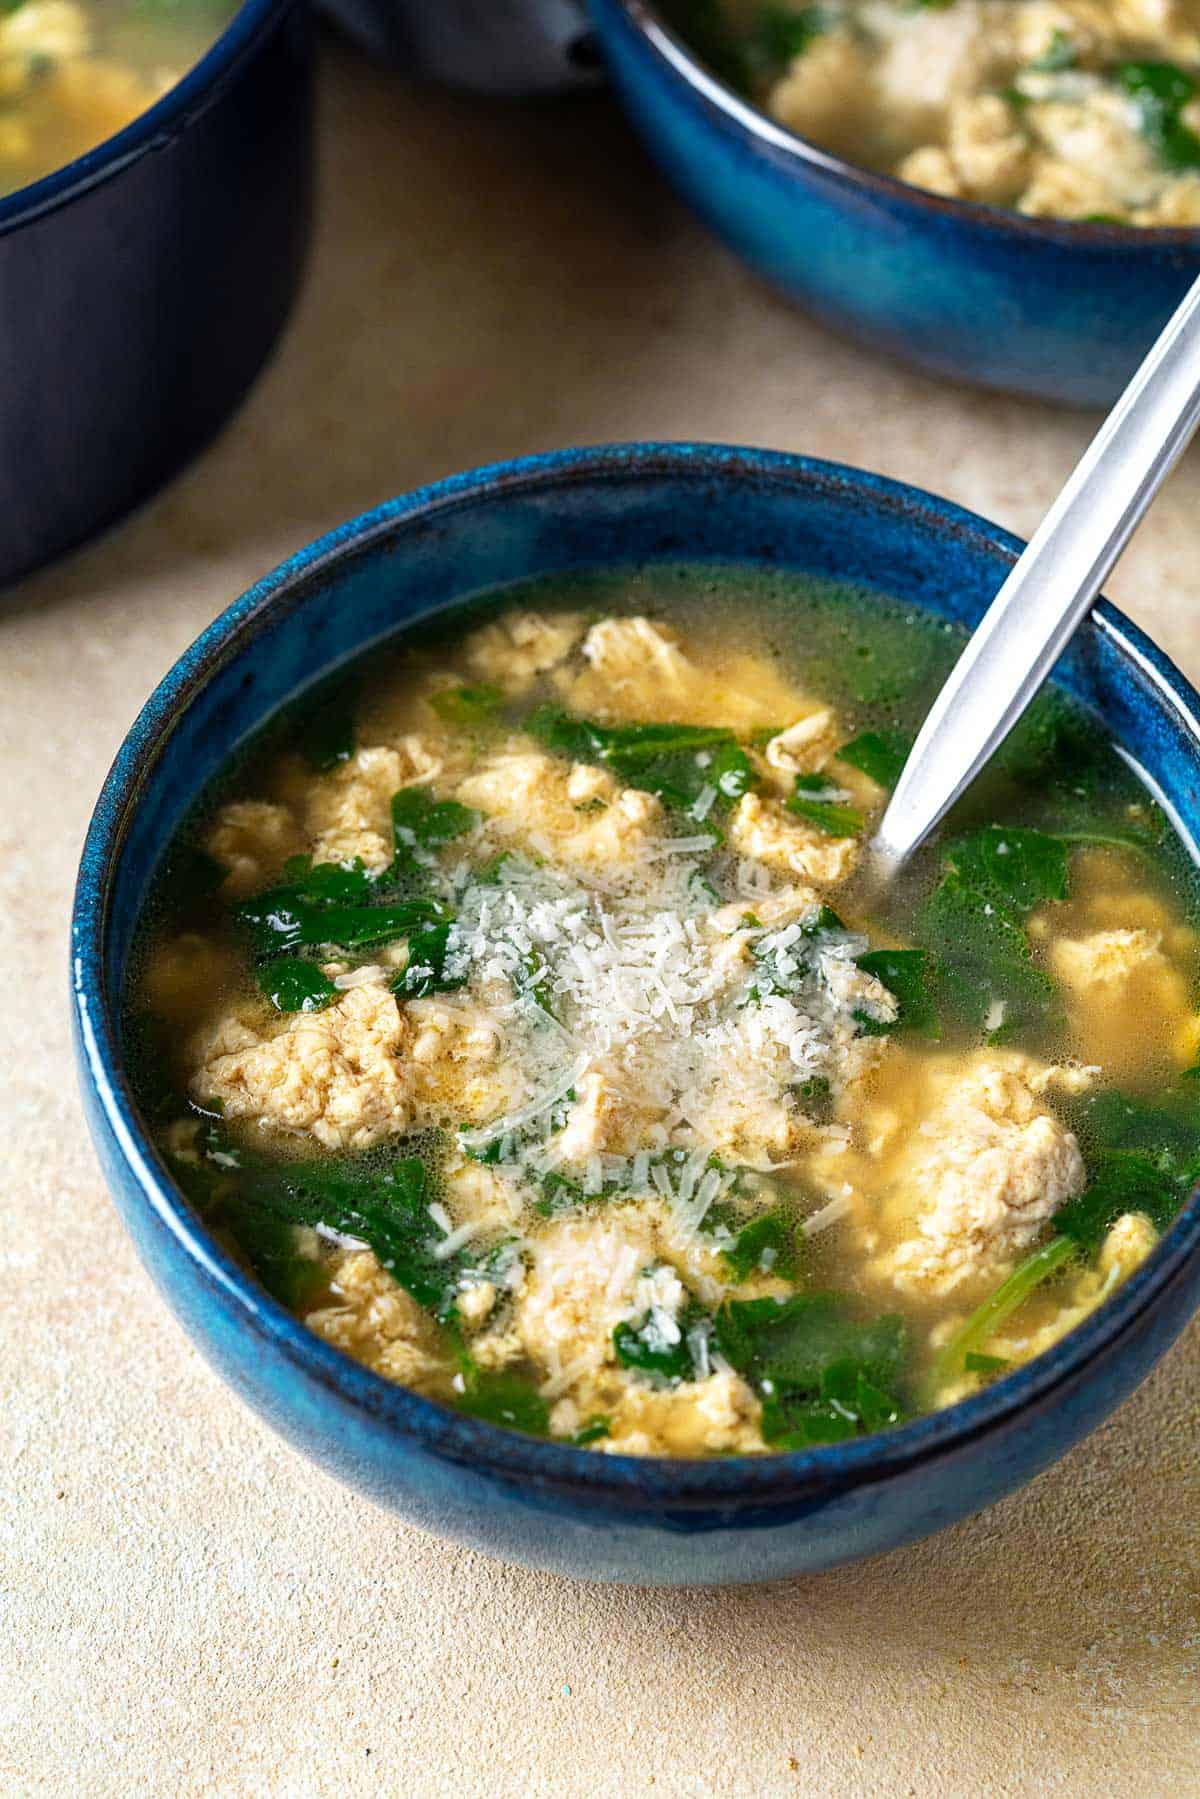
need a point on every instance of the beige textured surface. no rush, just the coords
(187, 1606)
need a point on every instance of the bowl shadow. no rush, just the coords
(1080, 1592)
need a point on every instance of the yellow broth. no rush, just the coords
(581, 1086)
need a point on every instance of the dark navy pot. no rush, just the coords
(571, 1510)
(1034, 306)
(142, 286)
(506, 47)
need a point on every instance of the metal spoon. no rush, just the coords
(1050, 589)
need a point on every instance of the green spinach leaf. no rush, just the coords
(678, 763)
(386, 1205)
(437, 963)
(330, 883)
(777, 36)
(561, 1194)
(593, 1430)
(986, 976)
(822, 1373)
(816, 1097)
(291, 917)
(502, 1397)
(846, 1404)
(793, 1342)
(908, 975)
(766, 1245)
(880, 755)
(1160, 91)
(1080, 794)
(421, 822)
(295, 985)
(987, 1318)
(468, 706)
(270, 1245)
(1166, 1129)
(643, 1345)
(1022, 869)
(823, 803)
(1123, 1180)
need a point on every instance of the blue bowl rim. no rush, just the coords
(648, 22)
(151, 130)
(658, 1482)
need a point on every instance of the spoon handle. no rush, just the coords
(1052, 585)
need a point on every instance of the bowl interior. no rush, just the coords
(659, 27)
(165, 117)
(577, 510)
(418, 557)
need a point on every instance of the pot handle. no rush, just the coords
(490, 46)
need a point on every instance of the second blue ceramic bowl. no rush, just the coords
(1060, 310)
(609, 1517)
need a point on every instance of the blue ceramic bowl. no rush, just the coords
(609, 1517)
(1035, 306)
(142, 286)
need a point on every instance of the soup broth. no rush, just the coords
(518, 1010)
(1075, 109)
(74, 72)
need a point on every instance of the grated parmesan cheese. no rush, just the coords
(832, 1213)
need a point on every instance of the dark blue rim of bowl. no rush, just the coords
(539, 1464)
(670, 48)
(166, 119)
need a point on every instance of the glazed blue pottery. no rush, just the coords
(1034, 306)
(555, 1507)
(142, 286)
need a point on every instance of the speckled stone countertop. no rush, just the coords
(190, 1608)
